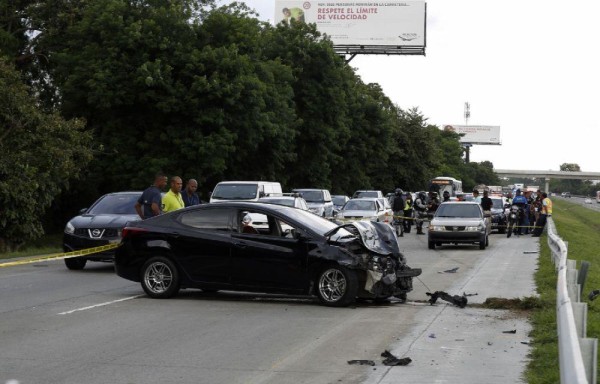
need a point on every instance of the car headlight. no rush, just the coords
(438, 228)
(474, 228)
(69, 228)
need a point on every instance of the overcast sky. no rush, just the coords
(531, 67)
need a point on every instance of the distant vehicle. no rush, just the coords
(566, 194)
(100, 224)
(443, 183)
(588, 200)
(339, 201)
(597, 196)
(244, 190)
(318, 200)
(294, 200)
(498, 215)
(458, 222)
(367, 193)
(367, 208)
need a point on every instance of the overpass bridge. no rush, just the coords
(547, 175)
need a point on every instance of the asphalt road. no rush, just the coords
(90, 326)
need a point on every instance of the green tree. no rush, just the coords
(41, 153)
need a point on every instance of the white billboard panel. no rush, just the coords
(477, 134)
(396, 23)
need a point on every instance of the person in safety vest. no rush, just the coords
(408, 212)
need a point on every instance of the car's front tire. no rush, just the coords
(75, 263)
(337, 286)
(160, 278)
(431, 244)
(482, 244)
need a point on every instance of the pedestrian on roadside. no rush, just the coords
(446, 196)
(420, 207)
(172, 200)
(150, 203)
(476, 197)
(408, 212)
(189, 195)
(544, 214)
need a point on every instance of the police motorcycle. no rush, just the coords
(514, 217)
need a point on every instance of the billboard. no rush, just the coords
(477, 134)
(360, 23)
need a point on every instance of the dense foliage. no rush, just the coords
(215, 94)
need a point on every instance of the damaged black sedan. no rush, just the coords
(267, 248)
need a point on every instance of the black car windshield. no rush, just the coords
(235, 191)
(286, 202)
(313, 196)
(458, 210)
(313, 222)
(498, 204)
(120, 204)
(360, 205)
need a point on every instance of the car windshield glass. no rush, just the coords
(338, 200)
(313, 196)
(119, 204)
(498, 203)
(359, 205)
(287, 202)
(311, 221)
(235, 191)
(458, 210)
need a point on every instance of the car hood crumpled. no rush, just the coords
(376, 237)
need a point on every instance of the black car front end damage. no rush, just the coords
(381, 267)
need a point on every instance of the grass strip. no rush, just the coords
(579, 227)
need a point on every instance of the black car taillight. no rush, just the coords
(132, 231)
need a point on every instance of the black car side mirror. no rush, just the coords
(82, 211)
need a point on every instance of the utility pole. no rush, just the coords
(467, 145)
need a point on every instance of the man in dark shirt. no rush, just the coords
(486, 205)
(189, 195)
(150, 203)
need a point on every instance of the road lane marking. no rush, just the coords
(99, 305)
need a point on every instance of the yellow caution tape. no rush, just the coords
(59, 256)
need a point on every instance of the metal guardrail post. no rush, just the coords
(578, 355)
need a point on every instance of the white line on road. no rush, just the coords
(99, 305)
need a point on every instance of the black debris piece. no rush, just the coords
(361, 362)
(391, 360)
(511, 331)
(453, 270)
(460, 301)
(592, 296)
(470, 294)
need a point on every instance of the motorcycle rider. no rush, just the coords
(521, 202)
(398, 208)
(420, 208)
(446, 196)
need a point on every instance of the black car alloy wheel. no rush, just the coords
(337, 286)
(160, 278)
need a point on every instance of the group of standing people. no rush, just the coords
(153, 203)
(408, 211)
(536, 211)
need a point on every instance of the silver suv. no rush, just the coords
(318, 200)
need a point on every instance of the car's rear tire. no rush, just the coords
(431, 244)
(75, 263)
(336, 286)
(160, 278)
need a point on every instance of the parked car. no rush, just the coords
(101, 224)
(244, 190)
(367, 193)
(292, 200)
(498, 214)
(339, 201)
(318, 200)
(368, 208)
(458, 222)
(204, 247)
(566, 194)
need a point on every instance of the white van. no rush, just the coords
(244, 190)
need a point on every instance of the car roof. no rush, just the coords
(367, 198)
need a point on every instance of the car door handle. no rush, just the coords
(240, 244)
